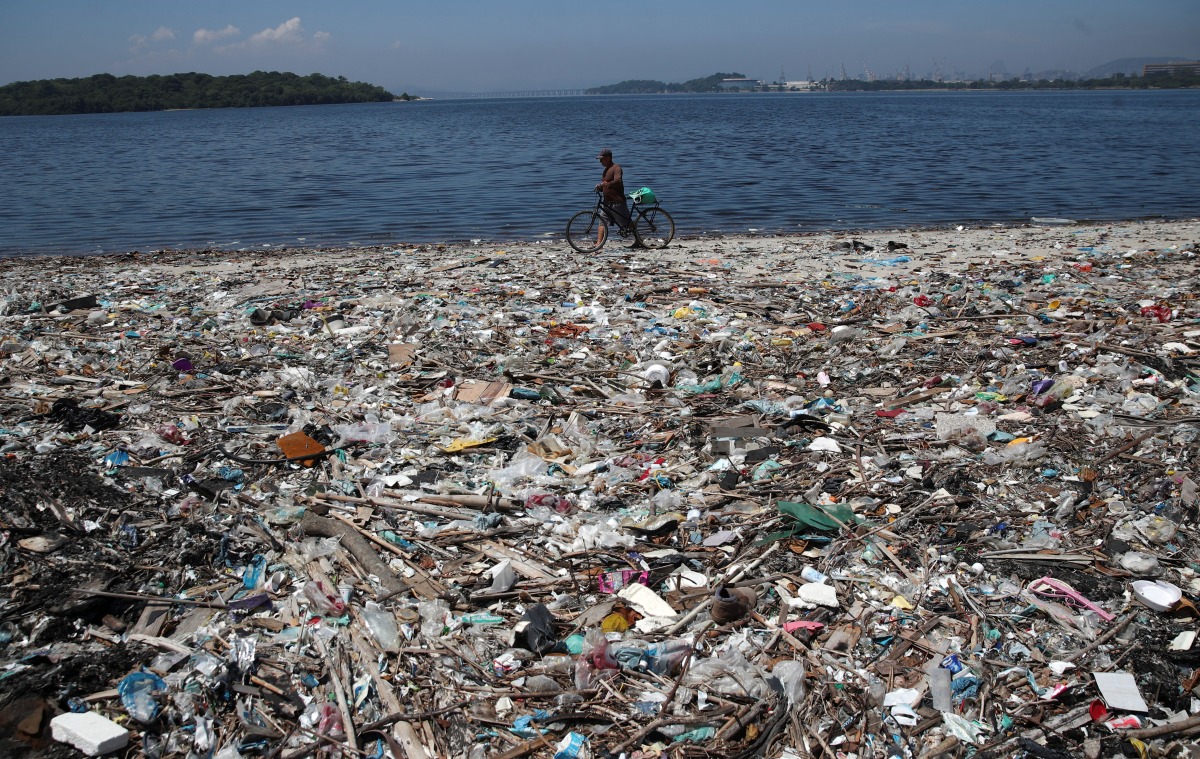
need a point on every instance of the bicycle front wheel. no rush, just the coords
(587, 232)
(655, 228)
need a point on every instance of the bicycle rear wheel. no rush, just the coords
(654, 228)
(587, 231)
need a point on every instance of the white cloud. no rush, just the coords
(290, 34)
(289, 31)
(206, 36)
(141, 41)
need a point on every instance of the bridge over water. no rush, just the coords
(510, 94)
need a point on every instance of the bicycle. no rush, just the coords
(652, 227)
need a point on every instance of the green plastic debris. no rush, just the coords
(825, 518)
(810, 518)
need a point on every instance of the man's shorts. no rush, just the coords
(617, 212)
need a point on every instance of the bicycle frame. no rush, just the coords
(634, 206)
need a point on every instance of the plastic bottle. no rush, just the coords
(481, 618)
(542, 684)
(657, 375)
(812, 575)
(252, 577)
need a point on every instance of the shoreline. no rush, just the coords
(968, 231)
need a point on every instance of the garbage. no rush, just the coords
(730, 605)
(749, 497)
(1119, 691)
(92, 733)
(137, 691)
(1158, 595)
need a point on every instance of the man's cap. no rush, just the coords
(604, 152)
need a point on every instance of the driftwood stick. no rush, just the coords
(432, 511)
(1168, 729)
(1117, 627)
(163, 600)
(497, 503)
(418, 716)
(356, 544)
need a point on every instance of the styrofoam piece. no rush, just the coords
(90, 732)
(818, 594)
(646, 601)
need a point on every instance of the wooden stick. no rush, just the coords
(426, 586)
(356, 544)
(149, 599)
(1168, 729)
(1117, 627)
(1127, 446)
(264, 684)
(432, 511)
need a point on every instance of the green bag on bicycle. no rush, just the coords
(644, 195)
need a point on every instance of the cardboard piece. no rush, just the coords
(1120, 691)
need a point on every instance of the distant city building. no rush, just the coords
(740, 83)
(798, 85)
(1173, 69)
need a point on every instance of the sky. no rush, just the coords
(512, 45)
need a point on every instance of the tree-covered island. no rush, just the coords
(105, 93)
(651, 86)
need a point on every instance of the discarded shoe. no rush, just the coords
(731, 604)
(259, 317)
(852, 245)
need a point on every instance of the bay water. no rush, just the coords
(516, 169)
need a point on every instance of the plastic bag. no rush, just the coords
(137, 695)
(324, 600)
(790, 674)
(370, 430)
(433, 617)
(382, 624)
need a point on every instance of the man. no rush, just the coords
(612, 187)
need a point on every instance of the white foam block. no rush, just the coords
(90, 732)
(818, 594)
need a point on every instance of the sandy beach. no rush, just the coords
(776, 256)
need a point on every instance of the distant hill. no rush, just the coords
(646, 86)
(1129, 66)
(105, 93)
